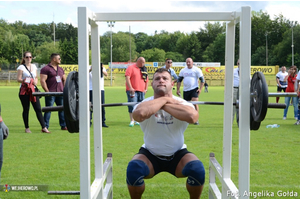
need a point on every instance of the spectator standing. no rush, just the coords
(190, 76)
(168, 65)
(236, 83)
(27, 76)
(103, 72)
(206, 87)
(298, 94)
(53, 79)
(3, 135)
(164, 118)
(136, 77)
(291, 82)
(281, 84)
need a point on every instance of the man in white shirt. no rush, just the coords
(163, 119)
(190, 76)
(281, 84)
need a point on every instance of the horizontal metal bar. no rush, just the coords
(64, 192)
(42, 94)
(61, 108)
(277, 94)
(283, 94)
(166, 16)
(52, 108)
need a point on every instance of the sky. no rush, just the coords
(37, 12)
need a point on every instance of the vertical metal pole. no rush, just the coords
(293, 44)
(53, 30)
(129, 44)
(228, 107)
(110, 53)
(98, 143)
(244, 96)
(267, 61)
(84, 126)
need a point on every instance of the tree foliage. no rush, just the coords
(206, 45)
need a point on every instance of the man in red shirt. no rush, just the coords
(136, 77)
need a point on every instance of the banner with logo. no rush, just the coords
(120, 67)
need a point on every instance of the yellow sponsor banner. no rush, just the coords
(69, 68)
(220, 71)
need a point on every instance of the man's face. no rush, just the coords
(140, 63)
(57, 59)
(189, 62)
(162, 83)
(168, 63)
(283, 69)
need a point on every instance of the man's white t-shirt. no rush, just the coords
(101, 80)
(236, 77)
(280, 75)
(190, 77)
(163, 133)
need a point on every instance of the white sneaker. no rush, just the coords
(131, 124)
(297, 122)
(136, 123)
(284, 118)
(296, 118)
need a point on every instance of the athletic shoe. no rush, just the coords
(104, 125)
(197, 123)
(297, 122)
(27, 130)
(131, 124)
(45, 130)
(136, 123)
(284, 118)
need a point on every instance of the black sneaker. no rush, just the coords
(104, 125)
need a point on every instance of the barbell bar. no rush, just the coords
(259, 103)
(284, 94)
(61, 108)
(64, 192)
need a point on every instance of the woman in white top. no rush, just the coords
(27, 74)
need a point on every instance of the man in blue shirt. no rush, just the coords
(168, 65)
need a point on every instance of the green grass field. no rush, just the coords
(53, 159)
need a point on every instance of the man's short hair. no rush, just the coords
(54, 55)
(161, 70)
(168, 59)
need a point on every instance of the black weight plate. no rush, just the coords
(73, 126)
(70, 97)
(259, 99)
(69, 125)
(253, 124)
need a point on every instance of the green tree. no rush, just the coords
(44, 51)
(215, 52)
(140, 41)
(175, 56)
(120, 49)
(189, 46)
(154, 55)
(69, 51)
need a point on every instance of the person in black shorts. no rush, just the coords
(163, 119)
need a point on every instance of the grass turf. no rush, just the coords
(53, 159)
